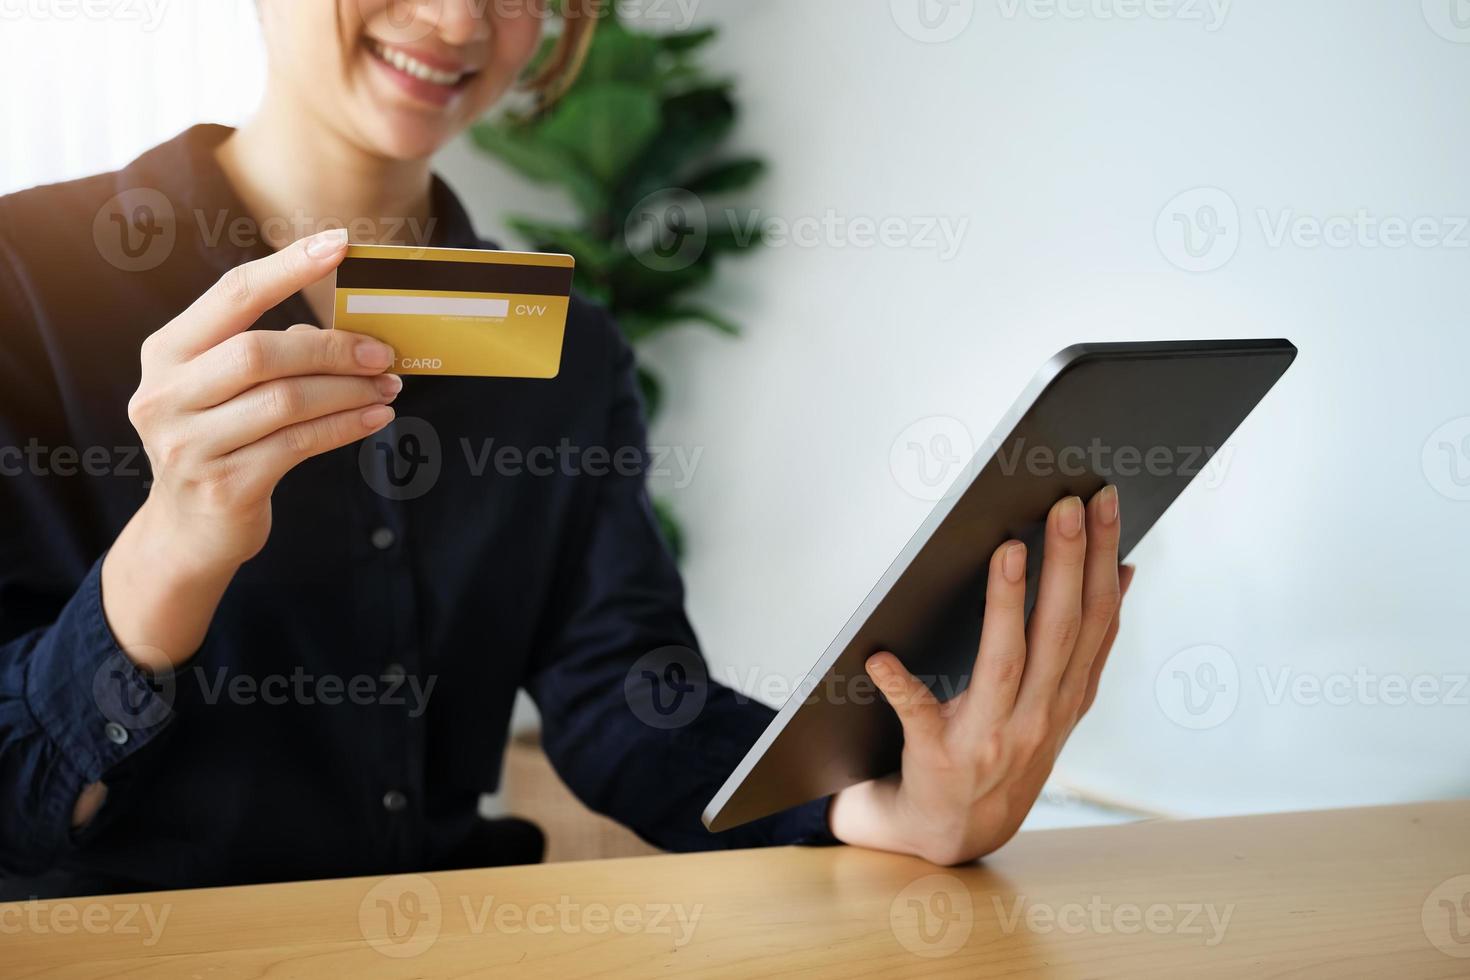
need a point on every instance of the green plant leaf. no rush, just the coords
(732, 175)
(636, 286)
(669, 526)
(694, 124)
(652, 391)
(541, 162)
(605, 127)
(619, 55)
(682, 42)
(589, 250)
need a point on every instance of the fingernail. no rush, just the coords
(1069, 521)
(371, 354)
(1013, 562)
(389, 385)
(325, 243)
(880, 671)
(377, 417)
(1108, 502)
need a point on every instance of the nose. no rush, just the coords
(458, 22)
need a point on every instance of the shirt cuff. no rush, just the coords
(89, 698)
(808, 824)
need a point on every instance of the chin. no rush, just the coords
(396, 139)
(416, 101)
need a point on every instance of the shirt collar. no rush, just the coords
(186, 170)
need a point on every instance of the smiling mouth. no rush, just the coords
(411, 66)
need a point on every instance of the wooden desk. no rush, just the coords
(1381, 892)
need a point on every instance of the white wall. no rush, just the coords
(1329, 547)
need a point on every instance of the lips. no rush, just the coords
(417, 68)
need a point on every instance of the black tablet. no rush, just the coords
(1147, 417)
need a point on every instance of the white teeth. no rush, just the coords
(414, 67)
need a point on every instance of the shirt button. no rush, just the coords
(116, 734)
(394, 801)
(383, 538)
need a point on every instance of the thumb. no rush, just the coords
(247, 292)
(917, 708)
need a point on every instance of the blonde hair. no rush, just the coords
(552, 79)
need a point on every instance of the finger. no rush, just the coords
(1100, 589)
(917, 708)
(283, 402)
(1002, 658)
(246, 292)
(1057, 616)
(1125, 579)
(260, 465)
(252, 358)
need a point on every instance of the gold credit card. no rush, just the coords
(458, 311)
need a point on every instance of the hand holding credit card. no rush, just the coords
(458, 311)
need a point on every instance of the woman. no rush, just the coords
(257, 657)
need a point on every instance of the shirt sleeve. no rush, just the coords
(73, 707)
(631, 719)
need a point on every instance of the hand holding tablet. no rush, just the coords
(948, 769)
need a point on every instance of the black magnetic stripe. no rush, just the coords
(455, 277)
